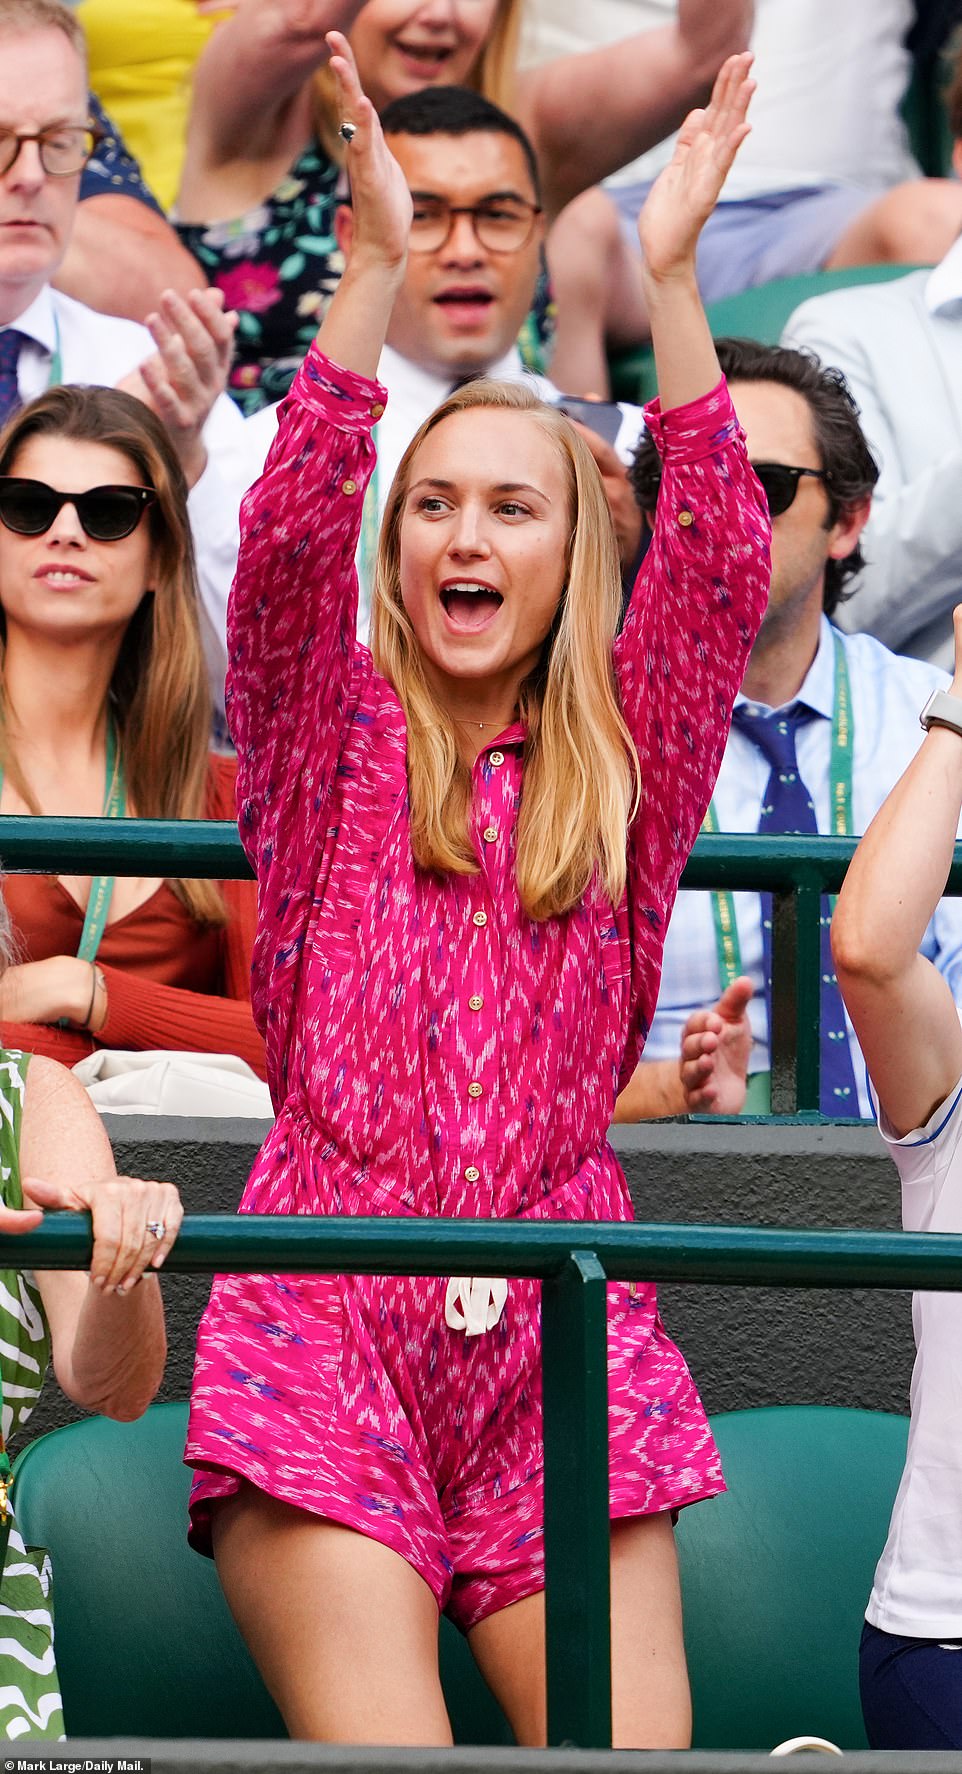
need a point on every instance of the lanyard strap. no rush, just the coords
(840, 815)
(102, 886)
(55, 376)
(370, 530)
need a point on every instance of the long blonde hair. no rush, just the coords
(159, 693)
(581, 779)
(493, 75)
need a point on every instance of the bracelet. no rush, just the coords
(98, 980)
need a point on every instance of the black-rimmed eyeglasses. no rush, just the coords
(64, 148)
(779, 483)
(501, 224)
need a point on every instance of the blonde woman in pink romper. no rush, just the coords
(467, 850)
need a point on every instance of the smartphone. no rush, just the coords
(603, 416)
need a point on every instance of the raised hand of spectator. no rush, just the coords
(625, 513)
(194, 339)
(716, 1045)
(380, 197)
(685, 193)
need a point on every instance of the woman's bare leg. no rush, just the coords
(651, 1706)
(596, 282)
(342, 1629)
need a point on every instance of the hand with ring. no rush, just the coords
(135, 1223)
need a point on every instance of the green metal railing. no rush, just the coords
(573, 1263)
(797, 872)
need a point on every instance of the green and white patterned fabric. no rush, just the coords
(30, 1704)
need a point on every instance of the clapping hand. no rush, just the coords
(716, 1046)
(180, 383)
(685, 193)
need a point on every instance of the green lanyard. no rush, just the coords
(102, 886)
(370, 531)
(55, 377)
(840, 814)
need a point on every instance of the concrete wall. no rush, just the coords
(744, 1346)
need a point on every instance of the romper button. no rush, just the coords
(475, 1089)
(377, 409)
(480, 918)
(686, 519)
(475, 1002)
(490, 834)
(349, 486)
(472, 1174)
(496, 758)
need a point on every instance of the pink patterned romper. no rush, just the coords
(433, 1051)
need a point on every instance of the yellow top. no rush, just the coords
(142, 54)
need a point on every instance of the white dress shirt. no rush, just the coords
(99, 350)
(900, 347)
(887, 696)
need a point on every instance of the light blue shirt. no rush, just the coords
(888, 693)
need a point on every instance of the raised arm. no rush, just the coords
(619, 100)
(902, 1009)
(291, 621)
(253, 68)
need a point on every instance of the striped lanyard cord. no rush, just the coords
(727, 942)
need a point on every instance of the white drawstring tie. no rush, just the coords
(474, 1303)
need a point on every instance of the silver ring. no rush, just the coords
(156, 1228)
(347, 131)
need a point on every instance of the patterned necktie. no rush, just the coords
(787, 809)
(10, 343)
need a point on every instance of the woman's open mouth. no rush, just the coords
(469, 605)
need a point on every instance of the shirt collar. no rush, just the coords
(395, 370)
(817, 690)
(943, 291)
(39, 321)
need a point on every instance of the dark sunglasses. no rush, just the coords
(107, 514)
(780, 483)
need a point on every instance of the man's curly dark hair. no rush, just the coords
(839, 439)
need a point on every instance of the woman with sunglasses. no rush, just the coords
(467, 846)
(105, 709)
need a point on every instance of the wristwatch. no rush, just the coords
(942, 710)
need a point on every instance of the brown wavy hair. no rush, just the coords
(493, 75)
(581, 776)
(160, 695)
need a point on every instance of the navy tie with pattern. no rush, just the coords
(10, 343)
(787, 809)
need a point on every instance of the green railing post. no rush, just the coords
(796, 999)
(577, 1536)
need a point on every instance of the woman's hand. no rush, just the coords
(58, 988)
(380, 199)
(123, 1210)
(685, 193)
(716, 1047)
(180, 383)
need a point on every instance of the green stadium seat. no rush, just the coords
(776, 1573)
(755, 314)
(775, 1577)
(146, 1645)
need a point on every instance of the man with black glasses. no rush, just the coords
(824, 726)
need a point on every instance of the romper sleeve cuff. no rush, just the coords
(343, 398)
(699, 428)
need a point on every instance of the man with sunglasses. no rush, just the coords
(824, 726)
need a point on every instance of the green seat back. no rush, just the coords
(760, 313)
(776, 1573)
(146, 1646)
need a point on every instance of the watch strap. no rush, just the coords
(942, 710)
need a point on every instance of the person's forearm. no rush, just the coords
(142, 252)
(686, 362)
(117, 1360)
(353, 330)
(899, 870)
(654, 1092)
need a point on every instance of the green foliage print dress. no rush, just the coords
(30, 1704)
